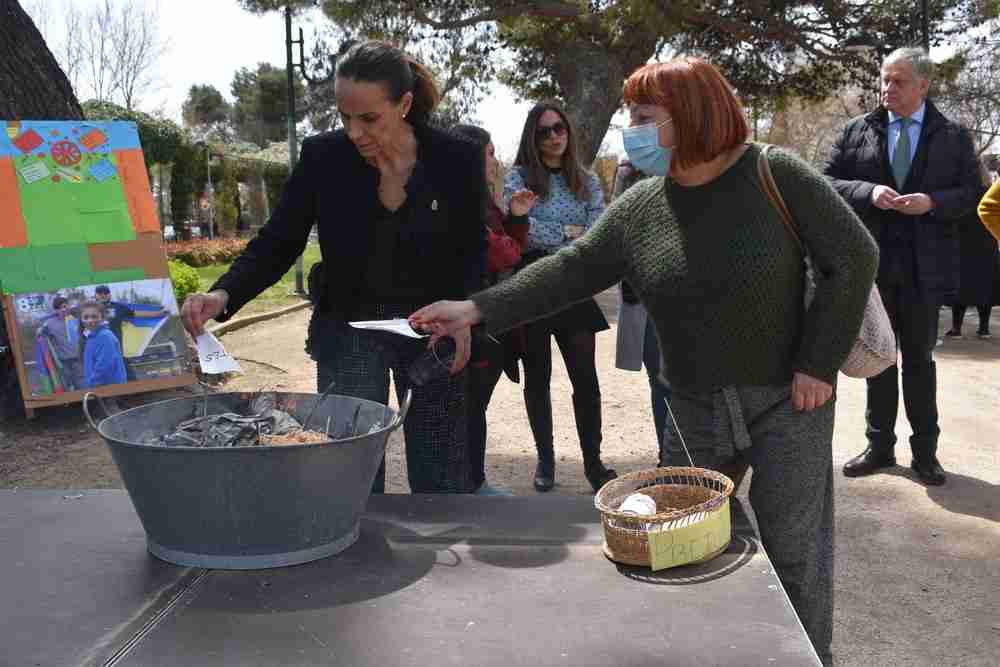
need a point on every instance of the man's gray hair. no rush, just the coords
(921, 62)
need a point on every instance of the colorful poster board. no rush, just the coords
(76, 212)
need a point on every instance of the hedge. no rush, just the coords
(184, 278)
(204, 252)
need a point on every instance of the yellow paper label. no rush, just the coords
(703, 534)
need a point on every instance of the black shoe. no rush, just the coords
(868, 462)
(953, 333)
(929, 471)
(598, 476)
(545, 477)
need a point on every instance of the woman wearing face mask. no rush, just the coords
(569, 201)
(102, 354)
(752, 374)
(398, 205)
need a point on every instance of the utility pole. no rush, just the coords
(292, 139)
(210, 191)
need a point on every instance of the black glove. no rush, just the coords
(628, 294)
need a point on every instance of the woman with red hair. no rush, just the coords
(752, 371)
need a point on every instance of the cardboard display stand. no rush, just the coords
(78, 225)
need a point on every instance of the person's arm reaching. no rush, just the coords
(579, 270)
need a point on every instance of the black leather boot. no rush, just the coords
(539, 408)
(587, 411)
(545, 474)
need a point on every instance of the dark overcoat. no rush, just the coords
(944, 167)
(980, 276)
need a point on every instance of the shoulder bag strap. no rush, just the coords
(772, 192)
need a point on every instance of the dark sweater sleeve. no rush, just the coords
(272, 252)
(591, 264)
(845, 258)
(840, 169)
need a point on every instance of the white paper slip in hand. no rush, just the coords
(213, 357)
(396, 326)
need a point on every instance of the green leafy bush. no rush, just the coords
(184, 278)
(205, 252)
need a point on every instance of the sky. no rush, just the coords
(209, 40)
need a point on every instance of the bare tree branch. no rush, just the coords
(70, 52)
(98, 50)
(136, 49)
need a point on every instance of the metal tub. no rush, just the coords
(249, 507)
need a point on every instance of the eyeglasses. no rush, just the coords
(545, 132)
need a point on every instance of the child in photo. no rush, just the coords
(102, 353)
(61, 332)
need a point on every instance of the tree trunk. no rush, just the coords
(32, 86)
(591, 78)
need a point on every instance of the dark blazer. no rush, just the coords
(944, 167)
(333, 187)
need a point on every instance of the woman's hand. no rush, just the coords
(200, 308)
(808, 393)
(522, 201)
(446, 318)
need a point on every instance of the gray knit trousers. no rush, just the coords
(791, 490)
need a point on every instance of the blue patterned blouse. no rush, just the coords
(560, 208)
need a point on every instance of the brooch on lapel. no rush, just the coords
(434, 204)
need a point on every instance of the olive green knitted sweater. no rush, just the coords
(719, 274)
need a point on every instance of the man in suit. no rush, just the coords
(910, 174)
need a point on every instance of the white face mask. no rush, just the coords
(642, 144)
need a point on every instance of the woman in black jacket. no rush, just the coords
(398, 208)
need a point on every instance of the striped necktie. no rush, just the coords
(901, 154)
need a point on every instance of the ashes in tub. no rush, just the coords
(263, 425)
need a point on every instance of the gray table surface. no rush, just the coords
(433, 580)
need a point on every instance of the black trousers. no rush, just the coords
(915, 322)
(482, 381)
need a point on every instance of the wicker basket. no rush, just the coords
(680, 493)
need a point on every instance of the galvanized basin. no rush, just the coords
(249, 507)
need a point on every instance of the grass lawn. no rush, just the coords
(281, 294)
